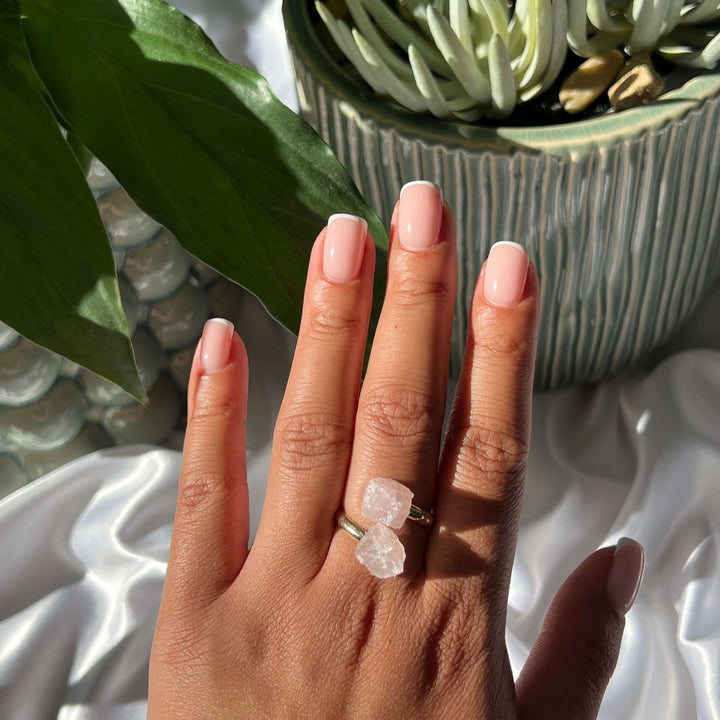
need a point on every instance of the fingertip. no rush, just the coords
(342, 254)
(215, 344)
(420, 215)
(516, 320)
(219, 350)
(503, 277)
(625, 576)
(575, 654)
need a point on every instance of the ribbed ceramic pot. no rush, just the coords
(620, 213)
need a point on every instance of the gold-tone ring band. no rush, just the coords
(349, 526)
(420, 516)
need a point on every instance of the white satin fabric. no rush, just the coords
(84, 548)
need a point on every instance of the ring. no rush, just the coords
(378, 548)
(420, 516)
(349, 526)
(389, 502)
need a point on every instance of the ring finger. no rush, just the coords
(401, 406)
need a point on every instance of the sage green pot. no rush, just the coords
(620, 214)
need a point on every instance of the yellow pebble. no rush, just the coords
(639, 85)
(590, 80)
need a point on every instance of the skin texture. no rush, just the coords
(296, 627)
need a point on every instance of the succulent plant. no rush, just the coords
(680, 31)
(470, 59)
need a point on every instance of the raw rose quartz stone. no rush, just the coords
(386, 501)
(381, 552)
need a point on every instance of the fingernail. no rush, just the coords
(505, 274)
(625, 575)
(344, 247)
(215, 344)
(420, 215)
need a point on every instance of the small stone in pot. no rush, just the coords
(639, 85)
(590, 80)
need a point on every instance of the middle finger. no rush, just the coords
(402, 402)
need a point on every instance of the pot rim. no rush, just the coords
(569, 138)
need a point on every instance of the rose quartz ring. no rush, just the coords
(386, 502)
(389, 502)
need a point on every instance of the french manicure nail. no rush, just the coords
(625, 575)
(420, 212)
(344, 247)
(505, 274)
(215, 344)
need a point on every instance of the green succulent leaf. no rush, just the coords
(57, 277)
(201, 144)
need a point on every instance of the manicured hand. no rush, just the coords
(296, 627)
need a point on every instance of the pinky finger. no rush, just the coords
(210, 535)
(575, 654)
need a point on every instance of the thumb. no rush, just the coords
(575, 654)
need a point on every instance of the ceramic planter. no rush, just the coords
(620, 213)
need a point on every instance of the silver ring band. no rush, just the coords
(349, 526)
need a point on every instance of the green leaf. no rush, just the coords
(57, 277)
(202, 145)
(82, 154)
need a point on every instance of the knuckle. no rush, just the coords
(214, 406)
(309, 440)
(494, 455)
(201, 486)
(460, 637)
(409, 290)
(494, 339)
(396, 414)
(328, 319)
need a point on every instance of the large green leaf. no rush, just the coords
(57, 277)
(201, 144)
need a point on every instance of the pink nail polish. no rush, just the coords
(215, 344)
(505, 274)
(420, 213)
(625, 575)
(344, 247)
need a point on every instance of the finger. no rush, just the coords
(210, 533)
(314, 429)
(402, 402)
(483, 463)
(575, 654)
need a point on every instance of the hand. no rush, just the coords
(297, 627)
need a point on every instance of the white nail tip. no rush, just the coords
(346, 216)
(422, 182)
(222, 321)
(520, 247)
